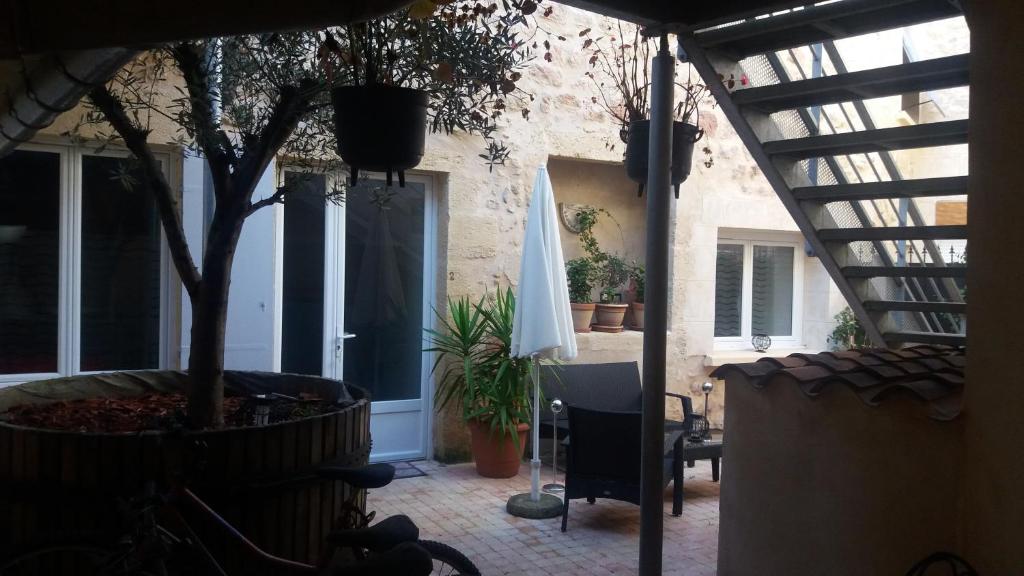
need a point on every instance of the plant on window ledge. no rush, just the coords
(611, 311)
(581, 273)
(242, 101)
(608, 271)
(848, 333)
(639, 277)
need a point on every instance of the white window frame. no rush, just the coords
(748, 240)
(69, 326)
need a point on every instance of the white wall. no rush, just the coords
(250, 342)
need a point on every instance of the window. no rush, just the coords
(757, 291)
(82, 283)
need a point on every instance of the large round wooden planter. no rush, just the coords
(260, 477)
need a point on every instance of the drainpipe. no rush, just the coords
(54, 86)
(656, 312)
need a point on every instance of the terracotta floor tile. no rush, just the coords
(454, 505)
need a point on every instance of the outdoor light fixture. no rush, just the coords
(555, 487)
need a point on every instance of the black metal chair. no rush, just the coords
(613, 386)
(604, 458)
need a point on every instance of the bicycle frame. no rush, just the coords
(184, 496)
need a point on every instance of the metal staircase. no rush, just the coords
(783, 85)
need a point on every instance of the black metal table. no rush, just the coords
(693, 451)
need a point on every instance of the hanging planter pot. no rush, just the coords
(684, 136)
(380, 128)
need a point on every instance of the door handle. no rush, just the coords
(339, 340)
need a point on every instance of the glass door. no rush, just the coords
(388, 291)
(311, 337)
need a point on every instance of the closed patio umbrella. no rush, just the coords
(542, 326)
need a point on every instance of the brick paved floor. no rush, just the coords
(454, 505)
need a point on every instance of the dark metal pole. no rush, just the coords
(656, 312)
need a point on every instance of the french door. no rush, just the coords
(357, 293)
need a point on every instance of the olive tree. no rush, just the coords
(239, 102)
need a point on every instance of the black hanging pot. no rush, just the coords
(684, 136)
(380, 128)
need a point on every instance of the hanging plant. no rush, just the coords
(619, 70)
(445, 66)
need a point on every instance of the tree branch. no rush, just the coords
(276, 198)
(216, 146)
(167, 207)
(291, 105)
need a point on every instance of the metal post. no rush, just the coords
(535, 462)
(656, 312)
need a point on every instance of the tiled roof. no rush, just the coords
(932, 374)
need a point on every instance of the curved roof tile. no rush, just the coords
(933, 375)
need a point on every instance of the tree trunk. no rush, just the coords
(209, 322)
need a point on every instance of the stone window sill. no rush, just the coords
(720, 357)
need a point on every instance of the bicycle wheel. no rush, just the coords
(71, 558)
(448, 561)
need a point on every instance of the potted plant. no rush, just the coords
(580, 273)
(848, 333)
(476, 369)
(620, 73)
(610, 312)
(637, 274)
(453, 64)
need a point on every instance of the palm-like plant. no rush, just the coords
(475, 362)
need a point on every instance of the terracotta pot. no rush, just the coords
(611, 315)
(582, 316)
(496, 455)
(638, 316)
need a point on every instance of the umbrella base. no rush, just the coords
(548, 506)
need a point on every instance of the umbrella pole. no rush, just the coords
(534, 504)
(535, 429)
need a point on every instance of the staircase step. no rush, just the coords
(936, 74)
(898, 138)
(953, 232)
(926, 338)
(921, 187)
(823, 22)
(904, 271)
(913, 306)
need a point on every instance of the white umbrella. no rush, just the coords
(543, 320)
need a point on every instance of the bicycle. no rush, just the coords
(161, 542)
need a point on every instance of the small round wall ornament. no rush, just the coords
(761, 342)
